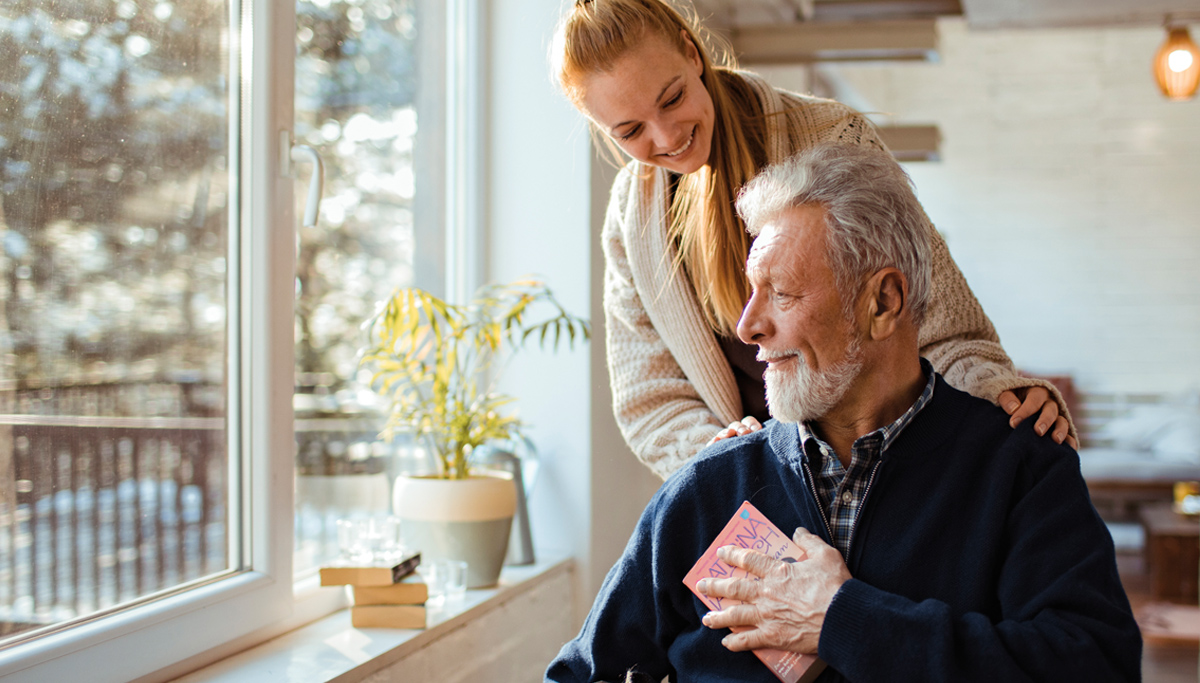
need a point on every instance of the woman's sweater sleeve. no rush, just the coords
(957, 337)
(661, 415)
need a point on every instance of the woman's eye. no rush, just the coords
(632, 132)
(674, 100)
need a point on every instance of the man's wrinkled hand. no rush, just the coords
(785, 607)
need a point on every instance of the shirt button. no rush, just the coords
(847, 497)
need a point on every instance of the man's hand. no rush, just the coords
(785, 609)
(741, 428)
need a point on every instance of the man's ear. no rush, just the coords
(887, 302)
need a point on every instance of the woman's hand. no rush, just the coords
(1027, 401)
(741, 428)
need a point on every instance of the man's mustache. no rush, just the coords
(774, 356)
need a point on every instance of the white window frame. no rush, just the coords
(259, 601)
(465, 264)
(139, 641)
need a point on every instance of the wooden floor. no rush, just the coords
(1162, 662)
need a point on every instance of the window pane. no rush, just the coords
(114, 183)
(357, 102)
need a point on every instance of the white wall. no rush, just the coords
(1068, 193)
(544, 199)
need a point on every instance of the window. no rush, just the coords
(364, 90)
(114, 467)
(152, 292)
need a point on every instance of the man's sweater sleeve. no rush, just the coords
(628, 627)
(1063, 615)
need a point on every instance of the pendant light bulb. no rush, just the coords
(1177, 64)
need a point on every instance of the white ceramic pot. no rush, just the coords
(459, 519)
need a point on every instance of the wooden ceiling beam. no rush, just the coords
(800, 43)
(912, 143)
(877, 10)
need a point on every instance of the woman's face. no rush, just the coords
(653, 104)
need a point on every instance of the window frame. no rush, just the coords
(259, 597)
(464, 97)
(258, 591)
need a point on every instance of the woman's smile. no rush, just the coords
(686, 145)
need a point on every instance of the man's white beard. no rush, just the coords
(803, 394)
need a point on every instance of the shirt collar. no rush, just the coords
(887, 433)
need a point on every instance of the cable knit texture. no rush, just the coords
(672, 386)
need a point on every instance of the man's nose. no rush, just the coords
(752, 327)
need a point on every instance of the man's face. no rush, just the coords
(795, 316)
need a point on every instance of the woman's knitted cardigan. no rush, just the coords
(672, 386)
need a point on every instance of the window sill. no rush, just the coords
(525, 619)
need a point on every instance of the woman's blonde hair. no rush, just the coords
(713, 243)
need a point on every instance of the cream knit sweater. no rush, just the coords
(672, 386)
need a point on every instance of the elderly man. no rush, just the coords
(938, 543)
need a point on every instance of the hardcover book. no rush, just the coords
(748, 528)
(370, 576)
(387, 616)
(411, 591)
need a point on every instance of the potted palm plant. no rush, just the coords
(437, 365)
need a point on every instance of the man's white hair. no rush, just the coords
(873, 218)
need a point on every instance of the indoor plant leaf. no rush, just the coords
(436, 363)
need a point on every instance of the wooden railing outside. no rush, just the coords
(96, 511)
(110, 491)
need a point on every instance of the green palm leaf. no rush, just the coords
(435, 362)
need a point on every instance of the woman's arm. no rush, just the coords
(957, 336)
(661, 415)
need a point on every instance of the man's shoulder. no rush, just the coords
(731, 462)
(956, 407)
(697, 501)
(738, 451)
(986, 426)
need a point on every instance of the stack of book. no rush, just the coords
(384, 597)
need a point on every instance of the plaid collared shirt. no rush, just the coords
(841, 490)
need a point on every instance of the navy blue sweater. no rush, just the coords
(977, 556)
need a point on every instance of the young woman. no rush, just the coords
(675, 250)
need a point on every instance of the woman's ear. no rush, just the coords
(691, 52)
(888, 302)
